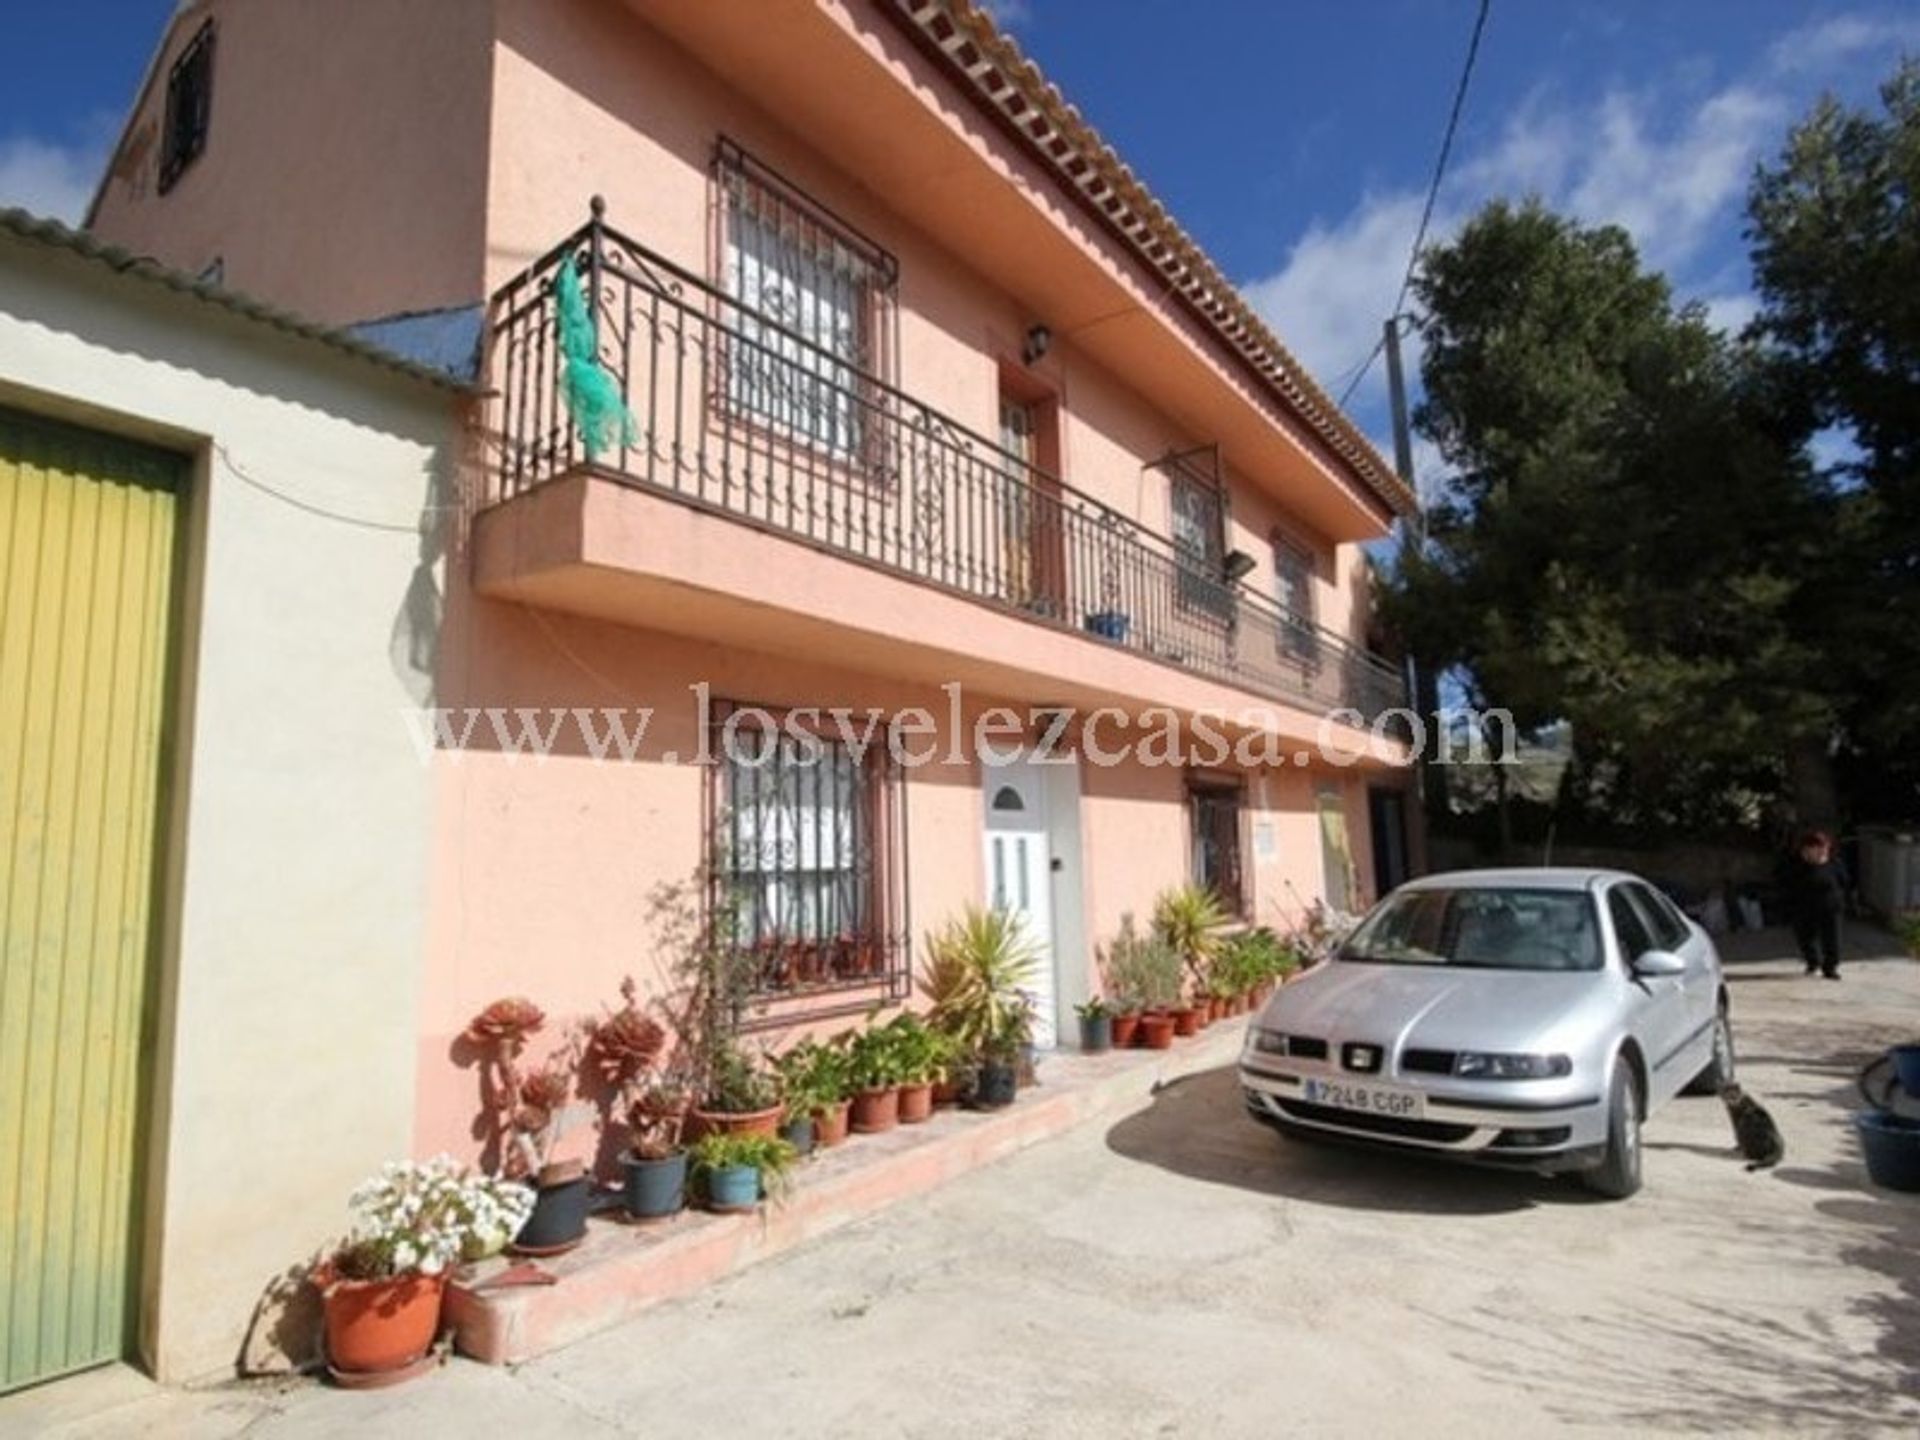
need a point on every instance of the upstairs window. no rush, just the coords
(811, 321)
(189, 106)
(1293, 589)
(1197, 513)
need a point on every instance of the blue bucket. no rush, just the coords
(1906, 1064)
(733, 1187)
(1892, 1146)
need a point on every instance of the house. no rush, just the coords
(956, 534)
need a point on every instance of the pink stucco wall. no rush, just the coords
(344, 175)
(543, 868)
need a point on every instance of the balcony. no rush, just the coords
(733, 413)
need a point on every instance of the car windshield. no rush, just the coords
(1483, 927)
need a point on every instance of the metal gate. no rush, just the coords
(87, 540)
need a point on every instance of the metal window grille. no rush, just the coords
(1199, 529)
(1293, 588)
(189, 107)
(808, 857)
(816, 304)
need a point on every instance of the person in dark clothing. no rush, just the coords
(1816, 892)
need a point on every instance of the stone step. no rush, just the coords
(621, 1269)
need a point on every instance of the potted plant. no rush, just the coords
(1190, 918)
(381, 1288)
(625, 1051)
(655, 1163)
(875, 1069)
(742, 1095)
(1096, 1025)
(809, 1082)
(817, 1078)
(922, 1056)
(535, 1110)
(978, 968)
(735, 1170)
(1146, 970)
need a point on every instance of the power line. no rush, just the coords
(1433, 193)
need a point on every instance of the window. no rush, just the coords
(813, 300)
(1293, 589)
(1199, 530)
(1480, 928)
(1631, 931)
(1216, 842)
(1664, 923)
(804, 855)
(189, 105)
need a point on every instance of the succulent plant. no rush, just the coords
(506, 1023)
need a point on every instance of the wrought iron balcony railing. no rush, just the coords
(760, 417)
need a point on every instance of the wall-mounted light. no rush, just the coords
(1039, 341)
(1239, 565)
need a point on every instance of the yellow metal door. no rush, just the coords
(87, 528)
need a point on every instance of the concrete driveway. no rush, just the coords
(1181, 1271)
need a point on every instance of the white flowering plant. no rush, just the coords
(420, 1217)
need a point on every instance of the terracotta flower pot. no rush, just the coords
(830, 1124)
(379, 1325)
(946, 1091)
(875, 1110)
(1156, 1030)
(1186, 1020)
(915, 1103)
(1126, 1030)
(734, 1122)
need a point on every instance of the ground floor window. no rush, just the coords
(1215, 811)
(807, 857)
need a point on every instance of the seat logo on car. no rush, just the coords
(1364, 1058)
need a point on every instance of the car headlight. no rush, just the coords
(1266, 1042)
(1475, 1065)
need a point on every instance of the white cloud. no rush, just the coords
(1670, 177)
(48, 178)
(1007, 14)
(1330, 297)
(1731, 312)
(1824, 44)
(1668, 189)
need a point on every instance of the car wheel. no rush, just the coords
(1719, 1071)
(1618, 1175)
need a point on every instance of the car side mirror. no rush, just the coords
(1658, 962)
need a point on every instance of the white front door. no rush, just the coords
(1020, 875)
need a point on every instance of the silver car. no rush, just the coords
(1526, 1018)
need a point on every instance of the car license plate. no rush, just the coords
(1373, 1099)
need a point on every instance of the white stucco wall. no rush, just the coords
(296, 868)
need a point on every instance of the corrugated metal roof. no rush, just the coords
(38, 230)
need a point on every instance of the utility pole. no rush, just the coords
(1423, 684)
(1402, 437)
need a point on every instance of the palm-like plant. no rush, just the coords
(1190, 919)
(979, 969)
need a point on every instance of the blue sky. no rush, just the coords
(1293, 139)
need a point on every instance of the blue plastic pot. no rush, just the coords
(656, 1188)
(797, 1131)
(559, 1219)
(1906, 1064)
(1893, 1149)
(1110, 625)
(733, 1187)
